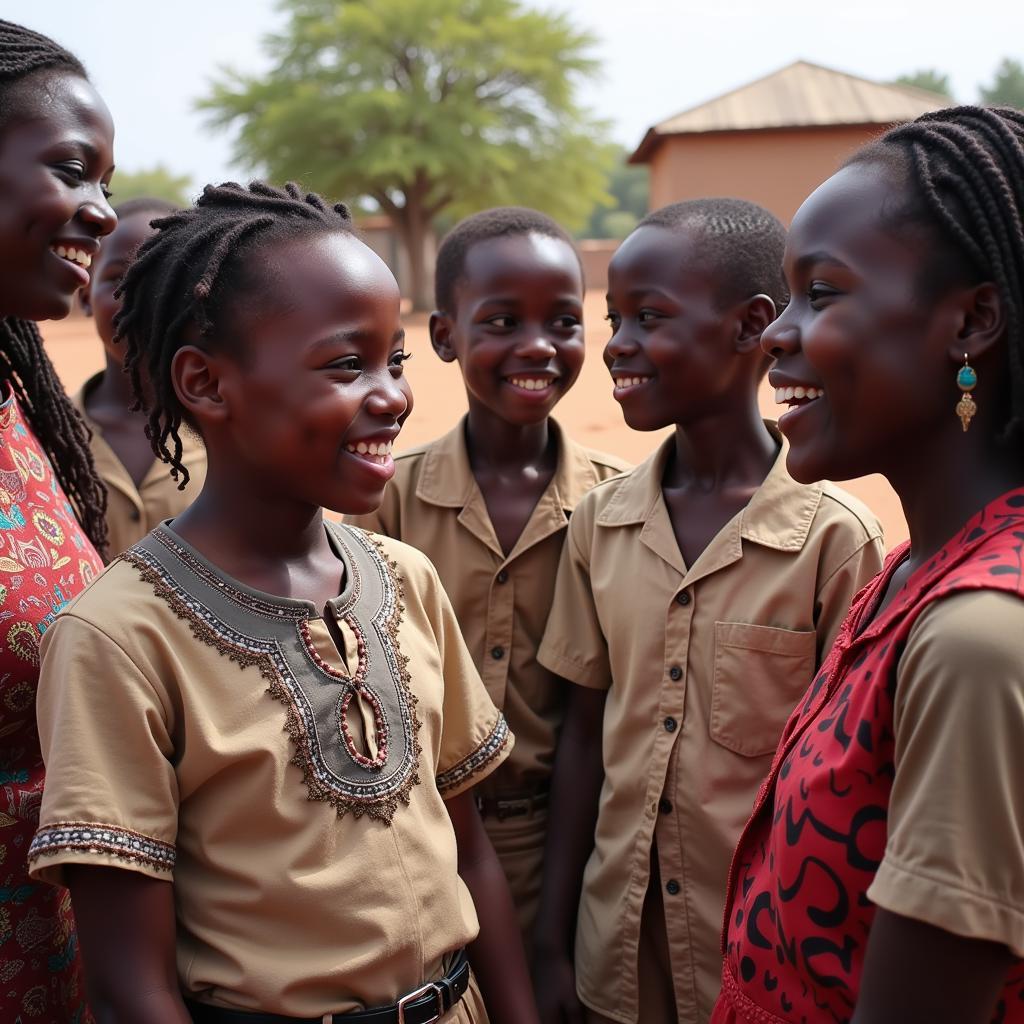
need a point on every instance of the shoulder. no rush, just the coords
(605, 465)
(844, 510)
(118, 585)
(410, 563)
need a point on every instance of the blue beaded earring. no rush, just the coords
(966, 381)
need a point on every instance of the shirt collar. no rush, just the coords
(779, 515)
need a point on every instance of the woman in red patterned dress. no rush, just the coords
(881, 877)
(56, 141)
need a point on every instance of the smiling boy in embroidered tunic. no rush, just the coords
(257, 772)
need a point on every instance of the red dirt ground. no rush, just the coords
(588, 412)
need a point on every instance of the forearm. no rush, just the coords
(497, 955)
(163, 1007)
(575, 798)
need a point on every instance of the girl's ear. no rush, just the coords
(196, 376)
(754, 316)
(441, 336)
(982, 322)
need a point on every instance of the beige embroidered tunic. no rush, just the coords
(199, 731)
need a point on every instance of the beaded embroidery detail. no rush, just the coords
(491, 747)
(274, 637)
(86, 837)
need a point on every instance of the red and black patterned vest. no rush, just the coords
(797, 914)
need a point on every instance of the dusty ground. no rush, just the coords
(588, 412)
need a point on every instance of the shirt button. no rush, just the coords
(502, 576)
(497, 653)
(665, 805)
(676, 673)
(672, 887)
(683, 598)
(670, 724)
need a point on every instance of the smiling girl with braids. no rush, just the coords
(881, 877)
(56, 139)
(283, 714)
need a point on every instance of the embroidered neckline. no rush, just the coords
(252, 628)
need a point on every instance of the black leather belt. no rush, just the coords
(424, 1006)
(511, 806)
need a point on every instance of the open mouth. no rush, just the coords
(376, 452)
(623, 384)
(531, 383)
(797, 396)
(72, 255)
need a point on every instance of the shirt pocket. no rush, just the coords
(760, 674)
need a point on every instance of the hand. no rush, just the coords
(554, 983)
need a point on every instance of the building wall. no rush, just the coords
(777, 169)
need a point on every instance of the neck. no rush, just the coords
(722, 449)
(112, 390)
(238, 524)
(494, 442)
(961, 479)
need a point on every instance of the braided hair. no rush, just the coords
(190, 275)
(25, 368)
(965, 171)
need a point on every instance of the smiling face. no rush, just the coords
(56, 158)
(861, 335)
(107, 270)
(517, 327)
(672, 354)
(309, 395)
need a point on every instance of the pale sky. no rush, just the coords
(150, 61)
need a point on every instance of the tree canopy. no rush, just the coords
(152, 183)
(424, 106)
(927, 78)
(1007, 88)
(628, 187)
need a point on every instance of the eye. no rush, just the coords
(819, 293)
(72, 169)
(567, 322)
(502, 321)
(396, 362)
(614, 319)
(347, 364)
(645, 316)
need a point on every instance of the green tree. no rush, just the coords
(929, 79)
(1007, 88)
(628, 187)
(157, 182)
(426, 106)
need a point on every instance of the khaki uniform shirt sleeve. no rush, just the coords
(835, 596)
(111, 795)
(955, 853)
(475, 738)
(574, 644)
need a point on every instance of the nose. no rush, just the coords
(620, 345)
(390, 398)
(536, 345)
(98, 214)
(780, 338)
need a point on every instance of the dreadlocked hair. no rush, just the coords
(965, 169)
(189, 275)
(25, 368)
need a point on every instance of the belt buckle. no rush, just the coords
(408, 1000)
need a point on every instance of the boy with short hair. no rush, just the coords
(695, 597)
(489, 502)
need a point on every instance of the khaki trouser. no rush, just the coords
(519, 844)
(470, 1008)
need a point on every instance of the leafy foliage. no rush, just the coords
(1007, 88)
(154, 183)
(628, 187)
(424, 106)
(929, 79)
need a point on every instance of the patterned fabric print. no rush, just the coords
(45, 560)
(254, 629)
(798, 916)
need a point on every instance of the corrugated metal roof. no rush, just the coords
(802, 95)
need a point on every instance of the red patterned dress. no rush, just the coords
(45, 560)
(822, 849)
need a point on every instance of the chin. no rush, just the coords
(808, 466)
(39, 307)
(641, 420)
(356, 505)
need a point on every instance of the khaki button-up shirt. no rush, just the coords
(133, 511)
(703, 665)
(502, 602)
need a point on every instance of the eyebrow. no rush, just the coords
(638, 293)
(355, 337)
(821, 256)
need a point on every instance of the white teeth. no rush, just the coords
(531, 383)
(622, 383)
(376, 449)
(79, 256)
(784, 395)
